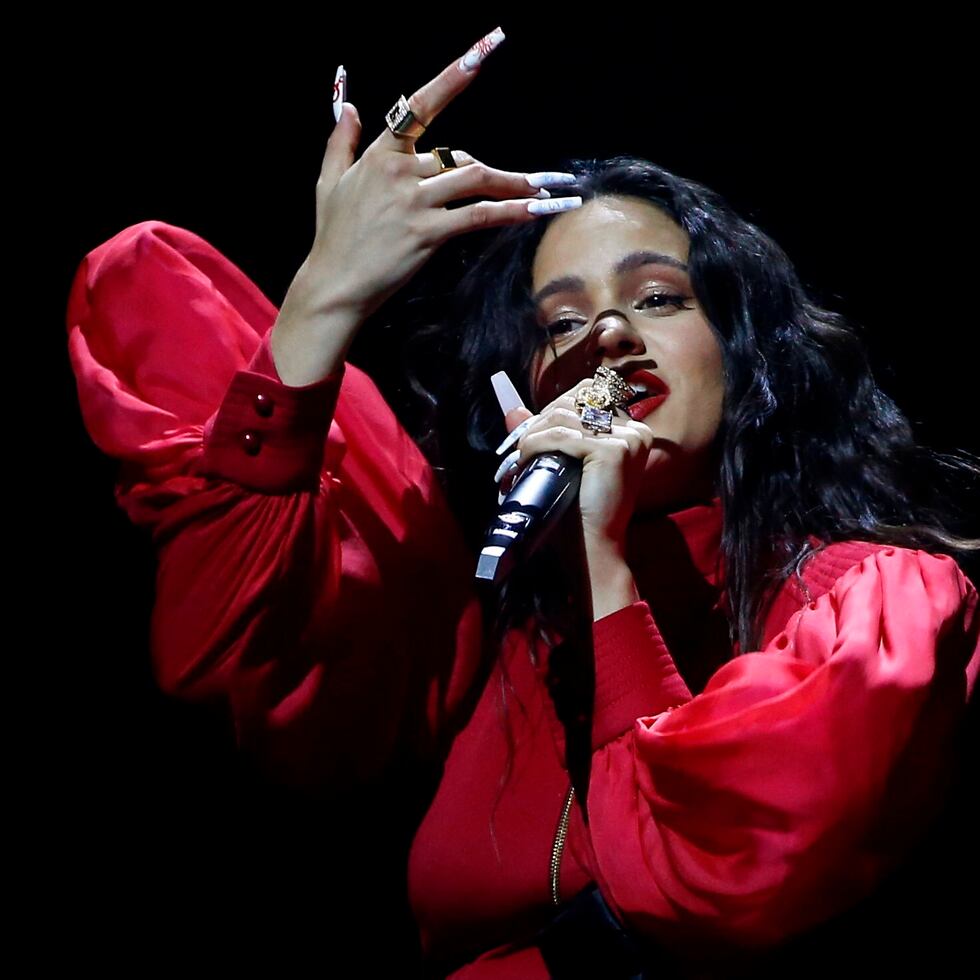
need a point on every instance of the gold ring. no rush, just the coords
(597, 402)
(444, 157)
(402, 122)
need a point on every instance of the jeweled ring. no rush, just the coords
(444, 157)
(402, 121)
(597, 402)
(595, 419)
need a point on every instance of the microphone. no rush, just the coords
(535, 504)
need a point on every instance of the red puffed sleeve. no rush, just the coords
(781, 794)
(287, 521)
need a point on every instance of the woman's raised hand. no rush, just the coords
(381, 218)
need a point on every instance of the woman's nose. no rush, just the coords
(615, 335)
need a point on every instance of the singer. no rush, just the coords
(713, 713)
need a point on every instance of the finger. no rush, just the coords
(567, 398)
(475, 180)
(515, 433)
(513, 416)
(554, 417)
(509, 460)
(341, 147)
(444, 224)
(633, 439)
(427, 163)
(531, 421)
(640, 429)
(561, 438)
(568, 418)
(436, 94)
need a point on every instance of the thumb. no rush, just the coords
(341, 146)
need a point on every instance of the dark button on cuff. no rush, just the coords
(251, 442)
(264, 405)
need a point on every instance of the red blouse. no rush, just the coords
(734, 800)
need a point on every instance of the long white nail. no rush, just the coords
(339, 92)
(515, 434)
(480, 50)
(509, 460)
(506, 393)
(555, 204)
(542, 177)
(543, 194)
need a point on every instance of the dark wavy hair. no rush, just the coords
(809, 445)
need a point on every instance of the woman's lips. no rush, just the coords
(657, 390)
(644, 407)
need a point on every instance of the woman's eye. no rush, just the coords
(564, 325)
(664, 300)
(657, 301)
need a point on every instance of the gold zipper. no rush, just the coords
(559, 844)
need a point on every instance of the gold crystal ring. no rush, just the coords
(597, 402)
(402, 122)
(595, 419)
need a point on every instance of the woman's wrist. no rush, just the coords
(312, 333)
(612, 583)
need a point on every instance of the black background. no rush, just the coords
(847, 143)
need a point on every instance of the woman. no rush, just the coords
(719, 703)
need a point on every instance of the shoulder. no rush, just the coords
(828, 565)
(142, 237)
(912, 575)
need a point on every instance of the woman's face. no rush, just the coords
(601, 302)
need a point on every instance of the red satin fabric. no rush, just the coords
(311, 580)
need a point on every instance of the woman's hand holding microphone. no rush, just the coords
(613, 463)
(379, 219)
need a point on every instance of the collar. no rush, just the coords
(690, 536)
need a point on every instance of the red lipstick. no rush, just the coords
(656, 393)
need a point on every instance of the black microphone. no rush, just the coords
(535, 504)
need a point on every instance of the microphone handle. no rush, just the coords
(528, 513)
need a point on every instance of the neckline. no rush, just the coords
(694, 529)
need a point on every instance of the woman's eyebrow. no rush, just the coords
(626, 264)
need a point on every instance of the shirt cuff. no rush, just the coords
(635, 675)
(267, 435)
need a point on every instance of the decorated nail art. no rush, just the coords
(508, 481)
(480, 50)
(339, 92)
(542, 177)
(509, 460)
(515, 434)
(555, 204)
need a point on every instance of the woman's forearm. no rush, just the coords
(613, 586)
(313, 331)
